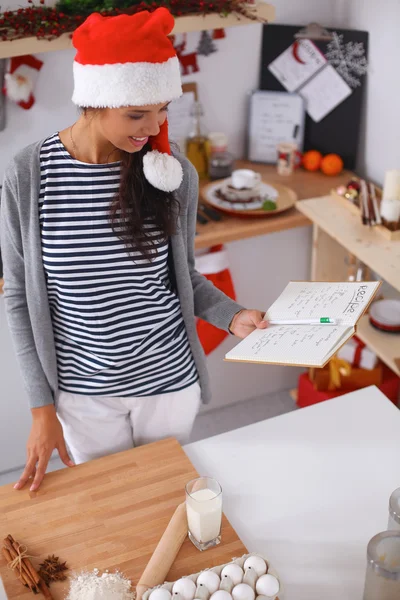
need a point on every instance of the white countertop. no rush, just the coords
(310, 488)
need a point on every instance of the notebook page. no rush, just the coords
(344, 301)
(290, 344)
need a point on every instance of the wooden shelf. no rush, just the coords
(381, 255)
(32, 45)
(385, 345)
(305, 184)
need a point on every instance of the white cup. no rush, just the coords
(245, 179)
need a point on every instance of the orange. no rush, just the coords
(332, 164)
(312, 160)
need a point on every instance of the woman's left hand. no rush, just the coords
(246, 321)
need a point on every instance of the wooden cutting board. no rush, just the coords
(108, 514)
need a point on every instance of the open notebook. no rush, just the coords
(307, 345)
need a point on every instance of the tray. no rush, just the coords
(240, 561)
(354, 209)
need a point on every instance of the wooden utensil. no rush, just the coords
(165, 553)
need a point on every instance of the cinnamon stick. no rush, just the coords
(26, 562)
(18, 575)
(45, 590)
(24, 569)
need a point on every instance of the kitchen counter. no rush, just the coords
(309, 489)
(305, 184)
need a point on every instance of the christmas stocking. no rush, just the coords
(215, 266)
(20, 80)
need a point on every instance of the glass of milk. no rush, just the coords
(394, 511)
(204, 512)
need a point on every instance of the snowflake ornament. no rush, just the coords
(348, 59)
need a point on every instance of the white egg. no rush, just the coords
(160, 594)
(257, 563)
(242, 591)
(221, 595)
(185, 587)
(234, 572)
(210, 579)
(267, 585)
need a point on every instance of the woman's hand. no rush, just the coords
(246, 321)
(46, 435)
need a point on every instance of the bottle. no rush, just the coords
(197, 144)
(221, 161)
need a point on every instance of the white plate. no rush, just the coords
(386, 312)
(267, 192)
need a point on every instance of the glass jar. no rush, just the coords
(382, 581)
(221, 161)
(394, 511)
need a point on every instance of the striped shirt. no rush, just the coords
(117, 323)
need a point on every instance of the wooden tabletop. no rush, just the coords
(305, 184)
(108, 514)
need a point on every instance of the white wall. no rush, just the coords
(379, 144)
(261, 267)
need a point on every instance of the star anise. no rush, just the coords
(53, 570)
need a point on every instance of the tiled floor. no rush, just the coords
(216, 421)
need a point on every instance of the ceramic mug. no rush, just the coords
(245, 179)
(289, 158)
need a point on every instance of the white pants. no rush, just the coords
(96, 426)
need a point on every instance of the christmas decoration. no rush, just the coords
(219, 34)
(215, 266)
(206, 45)
(348, 59)
(187, 61)
(51, 22)
(20, 80)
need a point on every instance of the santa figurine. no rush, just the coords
(20, 80)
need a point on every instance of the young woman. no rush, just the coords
(98, 225)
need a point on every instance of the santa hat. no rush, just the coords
(128, 60)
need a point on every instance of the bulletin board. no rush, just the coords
(339, 131)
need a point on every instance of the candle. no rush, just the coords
(390, 210)
(391, 187)
(382, 581)
(204, 512)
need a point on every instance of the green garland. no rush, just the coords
(50, 22)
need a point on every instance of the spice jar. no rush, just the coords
(382, 581)
(221, 161)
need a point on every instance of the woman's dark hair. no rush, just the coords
(136, 202)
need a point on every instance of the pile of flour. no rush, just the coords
(93, 586)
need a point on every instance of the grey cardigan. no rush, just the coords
(25, 290)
